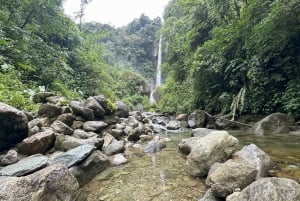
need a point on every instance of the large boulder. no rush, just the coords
(62, 128)
(256, 157)
(37, 143)
(231, 175)
(41, 97)
(271, 188)
(103, 102)
(74, 156)
(25, 166)
(209, 196)
(197, 119)
(49, 110)
(186, 145)
(218, 146)
(94, 105)
(9, 158)
(51, 183)
(67, 118)
(112, 146)
(173, 125)
(90, 167)
(273, 124)
(84, 112)
(13, 126)
(122, 109)
(66, 142)
(94, 126)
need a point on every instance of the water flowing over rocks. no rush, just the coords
(218, 146)
(51, 183)
(81, 140)
(267, 189)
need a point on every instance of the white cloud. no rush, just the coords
(117, 12)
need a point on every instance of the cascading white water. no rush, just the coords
(158, 72)
(158, 69)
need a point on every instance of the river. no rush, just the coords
(161, 176)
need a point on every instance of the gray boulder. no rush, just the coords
(62, 128)
(218, 146)
(49, 110)
(25, 166)
(67, 118)
(90, 167)
(13, 126)
(231, 175)
(196, 119)
(118, 159)
(65, 142)
(209, 196)
(94, 105)
(11, 157)
(103, 102)
(51, 183)
(121, 109)
(273, 124)
(84, 112)
(271, 188)
(256, 157)
(112, 146)
(73, 156)
(186, 145)
(41, 97)
(173, 125)
(37, 143)
(94, 126)
(81, 134)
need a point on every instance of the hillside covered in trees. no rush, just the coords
(226, 57)
(42, 49)
(232, 56)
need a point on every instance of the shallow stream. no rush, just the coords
(161, 176)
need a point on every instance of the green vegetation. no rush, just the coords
(224, 56)
(42, 48)
(233, 56)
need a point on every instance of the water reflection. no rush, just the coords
(161, 176)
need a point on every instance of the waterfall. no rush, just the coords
(158, 72)
(158, 69)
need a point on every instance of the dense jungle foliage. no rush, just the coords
(224, 56)
(42, 49)
(232, 56)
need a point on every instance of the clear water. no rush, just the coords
(161, 176)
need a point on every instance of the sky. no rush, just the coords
(116, 12)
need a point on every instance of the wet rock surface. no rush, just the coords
(218, 146)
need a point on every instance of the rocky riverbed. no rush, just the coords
(61, 149)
